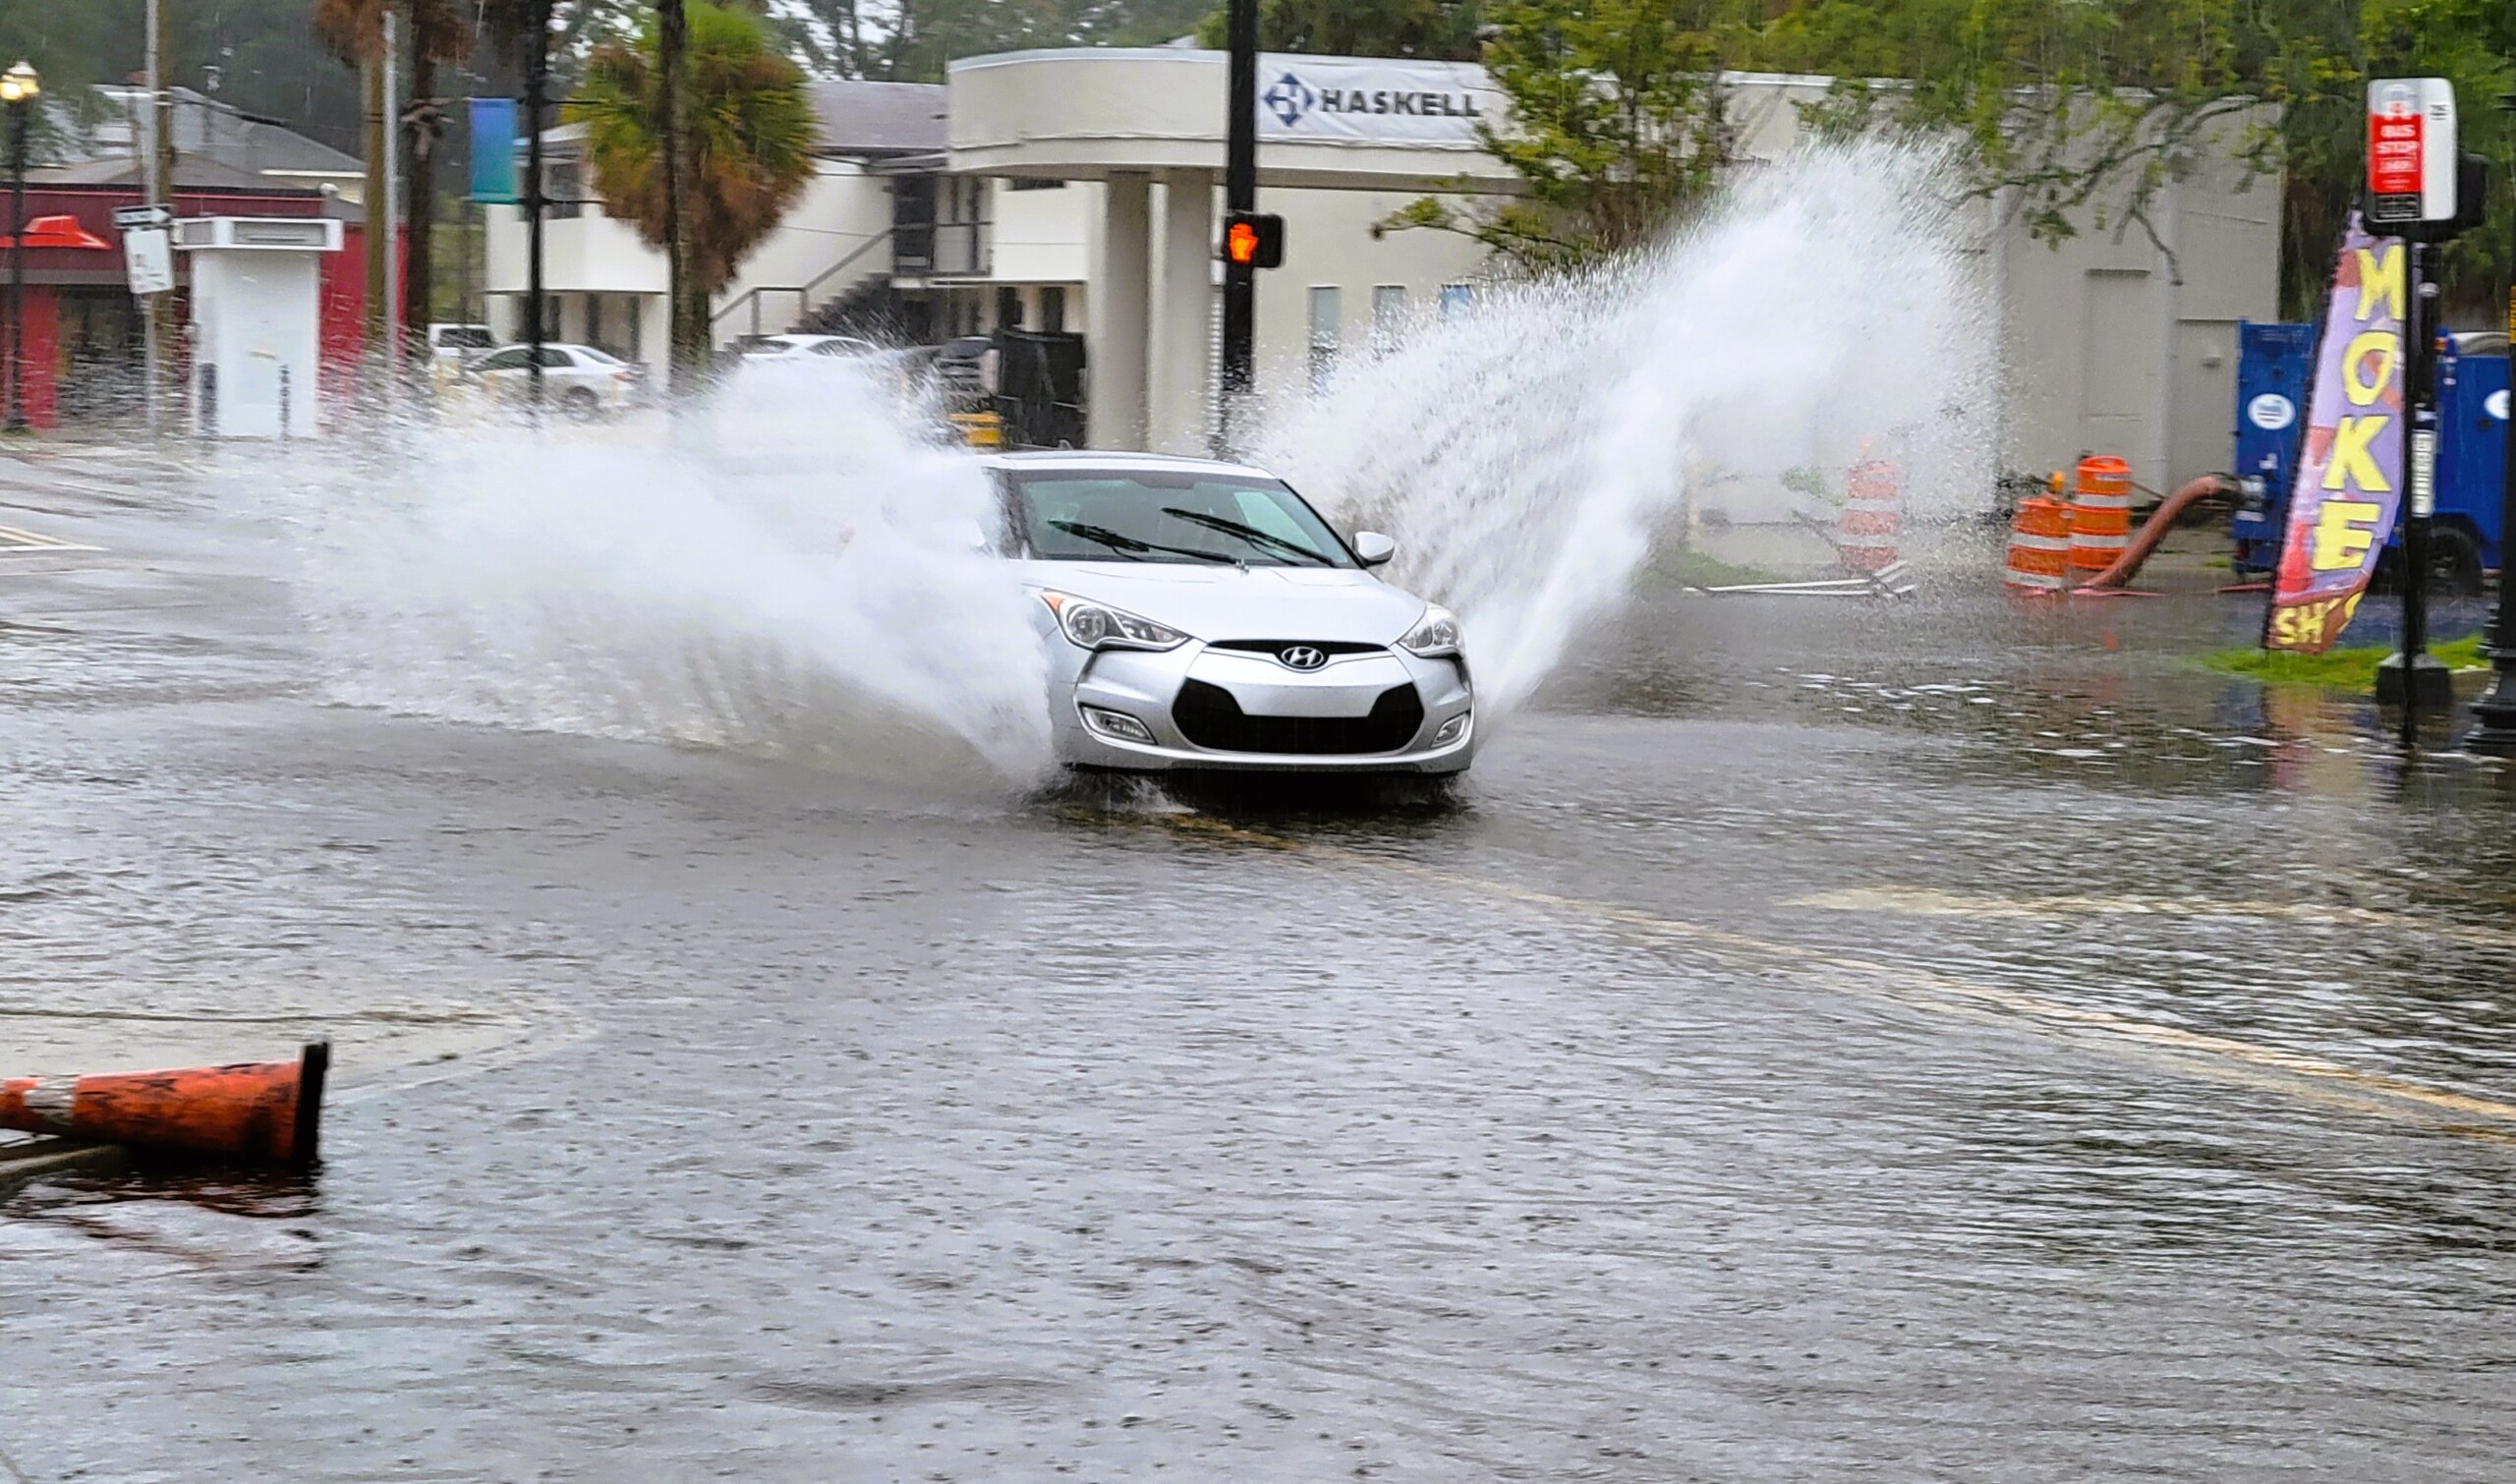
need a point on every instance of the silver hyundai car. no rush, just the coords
(1201, 615)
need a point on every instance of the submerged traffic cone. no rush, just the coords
(266, 1111)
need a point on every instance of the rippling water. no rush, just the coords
(1695, 1095)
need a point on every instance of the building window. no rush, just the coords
(563, 187)
(1052, 308)
(1457, 299)
(1389, 315)
(1033, 183)
(1327, 327)
(594, 321)
(1009, 307)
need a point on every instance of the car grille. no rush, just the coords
(1273, 645)
(1209, 716)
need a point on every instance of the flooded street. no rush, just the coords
(1821, 1039)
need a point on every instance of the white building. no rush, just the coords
(1079, 189)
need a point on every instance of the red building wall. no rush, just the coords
(343, 277)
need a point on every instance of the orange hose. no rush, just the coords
(2154, 531)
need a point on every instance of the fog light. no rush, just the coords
(1452, 730)
(1118, 724)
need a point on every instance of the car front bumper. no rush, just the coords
(1341, 695)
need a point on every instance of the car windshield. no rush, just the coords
(592, 357)
(1160, 516)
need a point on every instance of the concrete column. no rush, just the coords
(1121, 288)
(1184, 348)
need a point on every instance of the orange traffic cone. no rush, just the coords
(268, 1111)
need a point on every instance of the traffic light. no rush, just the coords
(1251, 240)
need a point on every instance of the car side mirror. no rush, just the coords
(1372, 548)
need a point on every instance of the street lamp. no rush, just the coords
(18, 88)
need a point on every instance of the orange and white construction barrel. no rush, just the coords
(2100, 513)
(1871, 524)
(2039, 548)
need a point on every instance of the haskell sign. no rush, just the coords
(1369, 100)
(2348, 486)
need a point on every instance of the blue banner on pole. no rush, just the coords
(494, 151)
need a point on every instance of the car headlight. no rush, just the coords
(1435, 635)
(1098, 626)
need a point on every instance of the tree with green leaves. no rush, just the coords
(749, 139)
(1443, 29)
(1617, 123)
(2080, 112)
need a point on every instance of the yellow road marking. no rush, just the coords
(15, 539)
(1913, 902)
(2292, 1072)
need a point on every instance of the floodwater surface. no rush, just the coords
(1823, 1039)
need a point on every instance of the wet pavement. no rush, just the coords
(1822, 1040)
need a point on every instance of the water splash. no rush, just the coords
(796, 570)
(793, 571)
(1526, 453)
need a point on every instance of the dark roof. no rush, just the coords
(216, 147)
(878, 118)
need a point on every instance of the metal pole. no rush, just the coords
(393, 207)
(156, 195)
(537, 74)
(2495, 712)
(162, 103)
(2416, 676)
(1239, 194)
(17, 263)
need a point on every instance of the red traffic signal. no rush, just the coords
(1253, 241)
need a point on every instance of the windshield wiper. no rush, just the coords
(1130, 547)
(1249, 533)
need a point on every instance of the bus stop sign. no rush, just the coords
(2411, 151)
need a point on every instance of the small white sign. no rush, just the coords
(2271, 412)
(149, 258)
(143, 217)
(2495, 404)
(2411, 149)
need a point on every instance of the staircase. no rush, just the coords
(870, 309)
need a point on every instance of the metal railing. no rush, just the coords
(803, 292)
(943, 249)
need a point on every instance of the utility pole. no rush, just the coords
(372, 316)
(392, 205)
(536, 81)
(2495, 712)
(156, 314)
(1240, 196)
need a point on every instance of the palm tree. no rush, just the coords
(434, 30)
(747, 152)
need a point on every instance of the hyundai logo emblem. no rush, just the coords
(1302, 656)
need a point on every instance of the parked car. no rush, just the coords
(455, 342)
(783, 347)
(1201, 615)
(579, 380)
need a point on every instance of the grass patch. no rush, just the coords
(2350, 669)
(1693, 569)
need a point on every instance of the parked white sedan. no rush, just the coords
(786, 347)
(578, 379)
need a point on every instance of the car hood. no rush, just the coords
(1210, 602)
